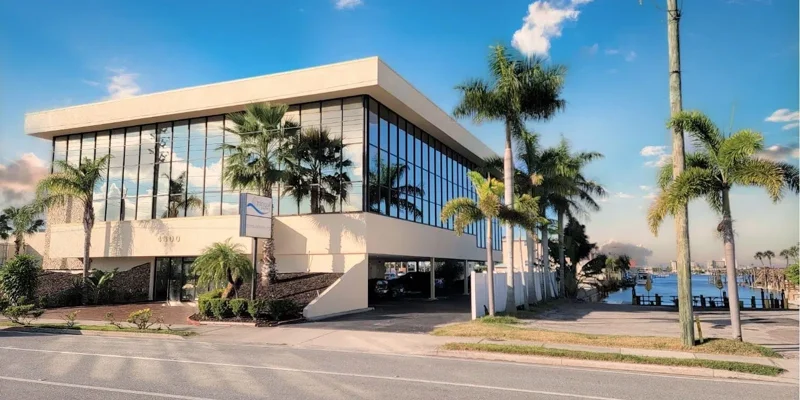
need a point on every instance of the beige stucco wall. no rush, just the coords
(150, 238)
(392, 236)
(349, 293)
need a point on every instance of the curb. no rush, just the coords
(222, 323)
(568, 362)
(97, 333)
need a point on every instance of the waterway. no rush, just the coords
(668, 287)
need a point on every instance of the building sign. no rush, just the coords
(255, 216)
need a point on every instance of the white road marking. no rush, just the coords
(304, 371)
(102, 388)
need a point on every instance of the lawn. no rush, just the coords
(102, 328)
(508, 328)
(748, 368)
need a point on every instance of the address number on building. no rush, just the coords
(169, 239)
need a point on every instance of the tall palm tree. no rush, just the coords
(575, 195)
(23, 222)
(178, 200)
(768, 255)
(785, 253)
(223, 262)
(517, 90)
(315, 169)
(760, 257)
(466, 211)
(400, 194)
(721, 162)
(255, 163)
(76, 183)
(794, 253)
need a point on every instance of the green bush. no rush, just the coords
(141, 318)
(220, 308)
(257, 308)
(793, 274)
(22, 313)
(238, 307)
(283, 309)
(204, 302)
(18, 278)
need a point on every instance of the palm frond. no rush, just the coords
(758, 172)
(700, 128)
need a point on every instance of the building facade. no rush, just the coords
(163, 198)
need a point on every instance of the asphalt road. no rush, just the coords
(42, 366)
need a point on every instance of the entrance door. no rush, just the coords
(174, 280)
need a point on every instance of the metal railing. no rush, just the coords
(766, 301)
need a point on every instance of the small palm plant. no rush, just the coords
(223, 263)
(99, 283)
(19, 222)
(76, 183)
(465, 211)
(723, 161)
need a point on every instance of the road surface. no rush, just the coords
(44, 366)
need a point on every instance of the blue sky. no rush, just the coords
(740, 58)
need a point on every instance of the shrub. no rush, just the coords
(238, 307)
(109, 317)
(220, 308)
(793, 274)
(204, 302)
(283, 309)
(257, 308)
(22, 313)
(141, 318)
(18, 278)
(70, 318)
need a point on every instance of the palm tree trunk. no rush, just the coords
(562, 262)
(88, 224)
(268, 257)
(546, 262)
(678, 165)
(530, 244)
(730, 265)
(489, 267)
(17, 245)
(508, 181)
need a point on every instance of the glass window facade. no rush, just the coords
(412, 175)
(174, 169)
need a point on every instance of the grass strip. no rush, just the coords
(101, 328)
(734, 366)
(517, 330)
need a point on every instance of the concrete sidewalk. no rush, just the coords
(418, 344)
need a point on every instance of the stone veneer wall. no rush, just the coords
(70, 212)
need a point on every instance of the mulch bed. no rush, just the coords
(302, 287)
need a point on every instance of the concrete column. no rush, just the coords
(433, 278)
(466, 276)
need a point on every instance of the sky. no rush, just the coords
(739, 66)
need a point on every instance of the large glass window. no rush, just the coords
(412, 175)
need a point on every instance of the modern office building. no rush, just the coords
(164, 200)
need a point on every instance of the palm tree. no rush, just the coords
(401, 194)
(223, 262)
(76, 183)
(721, 162)
(315, 170)
(178, 201)
(255, 163)
(785, 253)
(794, 252)
(23, 222)
(466, 211)
(768, 255)
(760, 257)
(517, 90)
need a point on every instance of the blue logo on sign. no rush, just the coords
(251, 205)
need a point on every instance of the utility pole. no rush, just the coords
(678, 165)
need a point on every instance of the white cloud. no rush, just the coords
(592, 50)
(637, 253)
(649, 196)
(779, 153)
(623, 195)
(544, 22)
(785, 115)
(611, 52)
(18, 179)
(644, 187)
(630, 56)
(122, 84)
(661, 161)
(651, 151)
(345, 4)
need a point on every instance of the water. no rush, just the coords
(668, 287)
